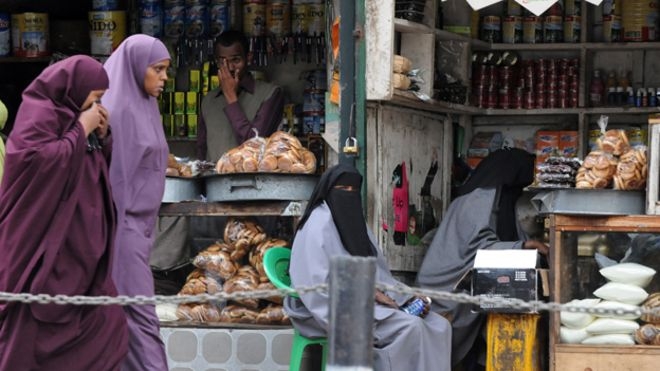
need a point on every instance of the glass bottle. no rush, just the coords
(596, 90)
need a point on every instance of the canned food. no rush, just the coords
(552, 29)
(491, 30)
(416, 306)
(512, 30)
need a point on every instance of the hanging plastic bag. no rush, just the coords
(400, 205)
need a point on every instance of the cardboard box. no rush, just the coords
(507, 274)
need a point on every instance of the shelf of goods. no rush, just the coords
(576, 242)
(430, 48)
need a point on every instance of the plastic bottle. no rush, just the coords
(596, 90)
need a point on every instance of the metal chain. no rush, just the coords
(481, 301)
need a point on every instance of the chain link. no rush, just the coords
(480, 301)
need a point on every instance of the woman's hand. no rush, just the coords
(382, 298)
(90, 118)
(102, 130)
(538, 245)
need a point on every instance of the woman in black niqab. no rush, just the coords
(340, 188)
(510, 170)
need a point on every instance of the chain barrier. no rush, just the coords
(480, 301)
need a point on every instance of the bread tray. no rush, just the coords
(575, 201)
(178, 189)
(259, 186)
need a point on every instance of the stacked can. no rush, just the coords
(151, 17)
(314, 102)
(174, 15)
(254, 17)
(5, 35)
(218, 17)
(278, 18)
(196, 24)
(485, 80)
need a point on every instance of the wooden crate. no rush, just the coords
(652, 189)
(607, 358)
(564, 279)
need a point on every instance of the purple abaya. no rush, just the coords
(57, 226)
(137, 175)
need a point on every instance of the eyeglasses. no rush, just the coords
(220, 61)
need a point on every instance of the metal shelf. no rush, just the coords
(243, 208)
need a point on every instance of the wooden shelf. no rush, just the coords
(25, 59)
(403, 25)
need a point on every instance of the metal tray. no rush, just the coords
(589, 201)
(259, 186)
(179, 189)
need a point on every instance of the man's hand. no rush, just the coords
(228, 83)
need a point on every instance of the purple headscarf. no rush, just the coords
(136, 126)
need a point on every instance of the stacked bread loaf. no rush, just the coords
(280, 153)
(615, 164)
(234, 265)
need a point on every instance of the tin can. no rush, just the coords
(553, 29)
(416, 306)
(254, 17)
(299, 20)
(612, 28)
(532, 30)
(106, 31)
(30, 35)
(173, 19)
(572, 29)
(491, 30)
(278, 18)
(315, 16)
(196, 21)
(512, 30)
(218, 17)
(151, 18)
(5, 35)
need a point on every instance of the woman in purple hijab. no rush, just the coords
(138, 72)
(57, 225)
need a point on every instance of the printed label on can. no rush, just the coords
(196, 24)
(315, 18)
(219, 19)
(105, 5)
(254, 19)
(173, 21)
(106, 30)
(151, 18)
(278, 19)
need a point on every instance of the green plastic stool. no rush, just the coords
(276, 266)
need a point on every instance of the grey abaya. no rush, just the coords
(401, 341)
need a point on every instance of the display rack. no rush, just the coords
(563, 276)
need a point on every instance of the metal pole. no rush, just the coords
(351, 288)
(346, 76)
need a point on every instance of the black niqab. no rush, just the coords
(345, 206)
(509, 170)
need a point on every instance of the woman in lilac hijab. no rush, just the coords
(57, 225)
(137, 72)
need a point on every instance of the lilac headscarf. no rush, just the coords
(138, 136)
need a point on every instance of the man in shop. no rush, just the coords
(483, 216)
(240, 108)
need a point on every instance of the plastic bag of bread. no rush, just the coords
(178, 167)
(198, 312)
(401, 64)
(199, 283)
(272, 315)
(238, 314)
(216, 262)
(242, 159)
(257, 255)
(284, 153)
(244, 281)
(400, 81)
(614, 141)
(242, 234)
(632, 169)
(597, 170)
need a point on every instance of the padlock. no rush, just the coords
(351, 146)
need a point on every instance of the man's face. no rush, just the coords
(232, 57)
